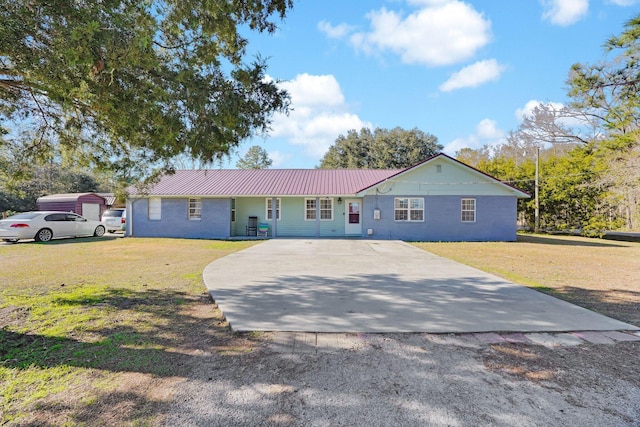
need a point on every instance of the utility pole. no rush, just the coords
(536, 227)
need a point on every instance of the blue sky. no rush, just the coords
(464, 71)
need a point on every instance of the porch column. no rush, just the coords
(317, 216)
(274, 216)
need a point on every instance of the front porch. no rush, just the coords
(314, 217)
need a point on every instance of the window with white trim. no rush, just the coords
(326, 209)
(233, 210)
(409, 209)
(155, 208)
(468, 210)
(268, 215)
(309, 209)
(195, 209)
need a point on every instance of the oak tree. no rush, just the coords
(136, 81)
(381, 149)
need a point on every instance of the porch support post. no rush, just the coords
(317, 216)
(274, 216)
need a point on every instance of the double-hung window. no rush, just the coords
(268, 207)
(468, 210)
(309, 209)
(195, 209)
(409, 209)
(326, 209)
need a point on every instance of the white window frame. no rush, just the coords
(267, 208)
(194, 208)
(233, 209)
(468, 210)
(410, 209)
(310, 210)
(324, 209)
(154, 210)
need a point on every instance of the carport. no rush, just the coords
(342, 285)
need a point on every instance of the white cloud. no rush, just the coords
(528, 108)
(623, 3)
(427, 2)
(335, 32)
(486, 133)
(487, 129)
(441, 32)
(564, 12)
(309, 90)
(474, 75)
(320, 114)
(279, 159)
(579, 123)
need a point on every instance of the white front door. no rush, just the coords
(353, 217)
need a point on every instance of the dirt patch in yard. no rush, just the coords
(414, 380)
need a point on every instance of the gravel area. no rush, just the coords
(413, 380)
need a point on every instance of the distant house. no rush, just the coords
(89, 205)
(440, 199)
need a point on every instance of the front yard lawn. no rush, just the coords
(96, 331)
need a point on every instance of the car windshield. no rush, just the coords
(112, 213)
(26, 215)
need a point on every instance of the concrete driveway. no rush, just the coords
(314, 285)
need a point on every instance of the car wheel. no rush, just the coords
(44, 235)
(99, 231)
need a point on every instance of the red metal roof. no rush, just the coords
(268, 182)
(66, 197)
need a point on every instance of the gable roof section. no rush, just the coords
(267, 182)
(517, 192)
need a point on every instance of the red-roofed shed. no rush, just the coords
(89, 205)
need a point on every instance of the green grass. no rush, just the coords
(80, 317)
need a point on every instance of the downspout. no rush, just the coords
(128, 225)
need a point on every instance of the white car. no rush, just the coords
(46, 225)
(114, 219)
